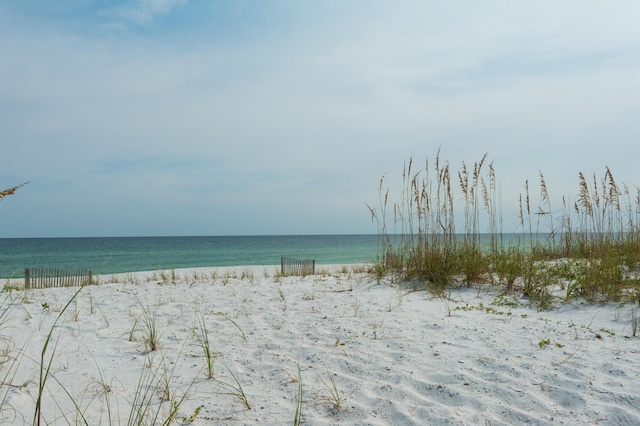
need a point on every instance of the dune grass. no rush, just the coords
(331, 387)
(11, 191)
(150, 330)
(589, 249)
(297, 419)
(155, 399)
(231, 386)
(201, 333)
(45, 365)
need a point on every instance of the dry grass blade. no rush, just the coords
(297, 420)
(11, 191)
(614, 192)
(233, 387)
(202, 336)
(45, 368)
(332, 388)
(527, 201)
(244, 336)
(151, 335)
(543, 190)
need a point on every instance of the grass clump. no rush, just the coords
(332, 388)
(233, 387)
(202, 336)
(155, 382)
(297, 419)
(589, 249)
(149, 329)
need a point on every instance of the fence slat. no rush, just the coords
(291, 266)
(49, 277)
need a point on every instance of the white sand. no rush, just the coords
(397, 357)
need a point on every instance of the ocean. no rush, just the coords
(112, 255)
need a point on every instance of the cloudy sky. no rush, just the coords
(185, 117)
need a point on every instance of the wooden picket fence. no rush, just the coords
(47, 277)
(291, 266)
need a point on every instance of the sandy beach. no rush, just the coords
(361, 352)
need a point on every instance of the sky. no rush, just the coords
(185, 117)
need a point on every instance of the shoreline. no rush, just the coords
(205, 273)
(397, 356)
(113, 255)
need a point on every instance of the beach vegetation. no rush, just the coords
(196, 277)
(76, 311)
(247, 274)
(571, 355)
(132, 278)
(9, 357)
(240, 330)
(45, 364)
(192, 417)
(99, 388)
(297, 419)
(154, 381)
(134, 328)
(635, 321)
(11, 191)
(445, 230)
(332, 388)
(227, 277)
(376, 326)
(447, 307)
(201, 334)
(149, 329)
(232, 386)
(609, 332)
(92, 308)
(543, 343)
(11, 286)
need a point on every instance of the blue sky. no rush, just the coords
(183, 117)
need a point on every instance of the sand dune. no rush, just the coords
(397, 357)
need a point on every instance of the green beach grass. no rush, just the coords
(589, 249)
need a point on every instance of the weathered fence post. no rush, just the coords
(47, 277)
(291, 266)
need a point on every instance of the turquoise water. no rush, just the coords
(129, 254)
